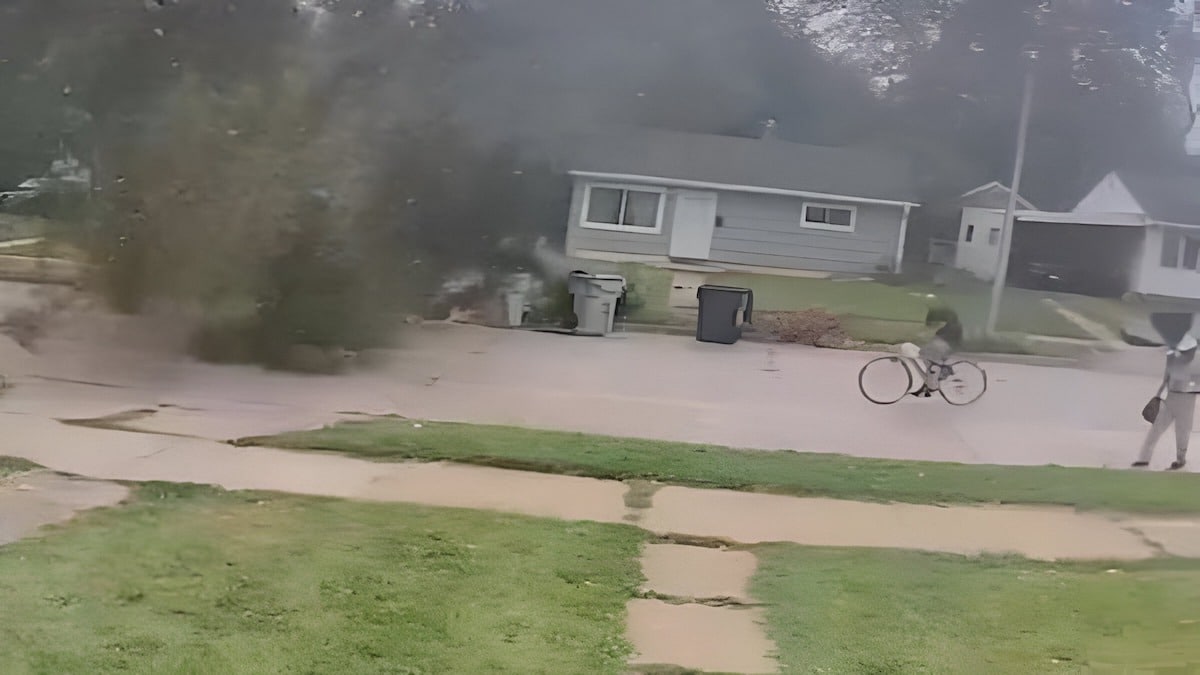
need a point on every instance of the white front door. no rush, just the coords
(692, 227)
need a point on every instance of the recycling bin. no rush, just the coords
(595, 299)
(724, 310)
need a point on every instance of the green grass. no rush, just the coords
(779, 472)
(881, 611)
(882, 313)
(1026, 311)
(12, 465)
(866, 299)
(189, 579)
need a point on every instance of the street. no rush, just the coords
(749, 395)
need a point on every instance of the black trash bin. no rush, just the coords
(723, 312)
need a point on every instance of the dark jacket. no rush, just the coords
(951, 332)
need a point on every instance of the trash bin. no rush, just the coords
(516, 299)
(723, 312)
(515, 308)
(595, 301)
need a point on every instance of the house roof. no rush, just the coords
(746, 163)
(1000, 187)
(1166, 197)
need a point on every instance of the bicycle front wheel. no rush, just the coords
(965, 384)
(885, 380)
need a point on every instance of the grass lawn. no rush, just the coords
(780, 472)
(879, 611)
(11, 465)
(188, 579)
(1025, 311)
(878, 312)
(867, 299)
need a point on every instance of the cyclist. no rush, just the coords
(947, 340)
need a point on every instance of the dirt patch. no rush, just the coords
(1039, 533)
(698, 573)
(30, 500)
(814, 327)
(713, 639)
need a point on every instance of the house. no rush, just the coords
(702, 204)
(1134, 232)
(978, 244)
(1166, 210)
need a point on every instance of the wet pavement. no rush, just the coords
(750, 395)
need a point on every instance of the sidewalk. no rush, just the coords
(684, 603)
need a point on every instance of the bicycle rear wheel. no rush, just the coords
(885, 380)
(965, 385)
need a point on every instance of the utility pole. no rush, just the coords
(1010, 211)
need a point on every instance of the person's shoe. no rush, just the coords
(923, 391)
(1177, 465)
(1140, 464)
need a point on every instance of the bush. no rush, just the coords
(815, 327)
(557, 308)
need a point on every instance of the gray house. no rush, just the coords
(710, 204)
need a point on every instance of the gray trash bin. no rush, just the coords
(595, 301)
(723, 312)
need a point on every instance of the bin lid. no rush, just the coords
(601, 277)
(724, 289)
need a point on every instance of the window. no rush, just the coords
(1170, 249)
(624, 209)
(994, 236)
(970, 234)
(829, 217)
(1191, 253)
(1179, 251)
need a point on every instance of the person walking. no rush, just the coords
(1177, 395)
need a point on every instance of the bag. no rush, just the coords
(1150, 412)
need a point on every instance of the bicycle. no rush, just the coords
(959, 382)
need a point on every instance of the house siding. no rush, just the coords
(766, 230)
(635, 243)
(1154, 279)
(978, 256)
(759, 230)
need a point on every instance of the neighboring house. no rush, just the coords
(980, 226)
(707, 204)
(1133, 232)
(1165, 208)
